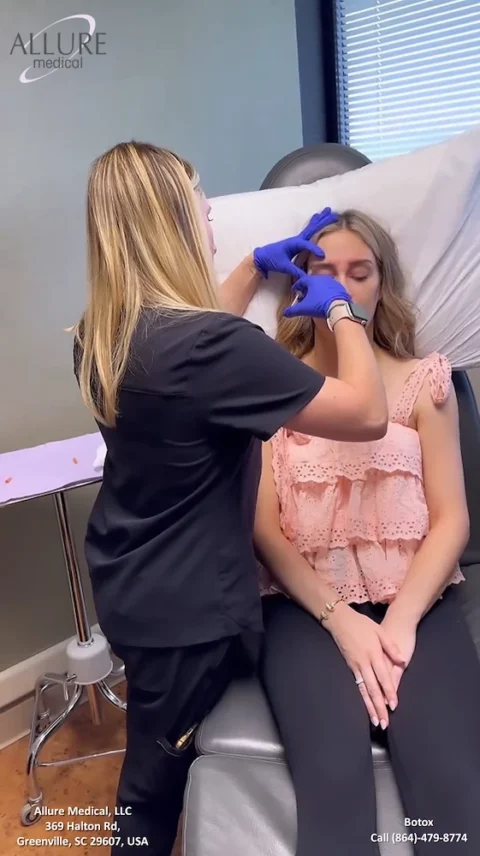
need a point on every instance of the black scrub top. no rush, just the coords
(169, 542)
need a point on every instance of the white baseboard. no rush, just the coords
(15, 722)
(17, 685)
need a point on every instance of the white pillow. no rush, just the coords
(430, 202)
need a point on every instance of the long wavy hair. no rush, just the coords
(394, 320)
(146, 248)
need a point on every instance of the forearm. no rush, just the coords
(240, 287)
(358, 368)
(431, 570)
(294, 574)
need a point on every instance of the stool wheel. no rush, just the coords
(28, 816)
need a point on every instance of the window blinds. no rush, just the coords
(408, 72)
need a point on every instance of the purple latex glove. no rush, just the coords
(314, 296)
(279, 257)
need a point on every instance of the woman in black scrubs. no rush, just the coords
(183, 394)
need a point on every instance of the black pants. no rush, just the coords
(169, 691)
(433, 738)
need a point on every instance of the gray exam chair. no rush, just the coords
(240, 800)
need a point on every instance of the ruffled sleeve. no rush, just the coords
(440, 375)
(439, 371)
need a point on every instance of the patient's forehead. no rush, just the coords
(342, 247)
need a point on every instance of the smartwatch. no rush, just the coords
(344, 309)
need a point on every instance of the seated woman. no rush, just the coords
(365, 539)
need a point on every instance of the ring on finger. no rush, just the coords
(359, 681)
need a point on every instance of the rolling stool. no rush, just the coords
(53, 469)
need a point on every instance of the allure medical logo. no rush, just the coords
(61, 45)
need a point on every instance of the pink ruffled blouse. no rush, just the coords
(357, 511)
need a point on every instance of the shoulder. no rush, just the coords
(221, 334)
(406, 369)
(180, 332)
(437, 378)
(223, 324)
(436, 392)
(167, 347)
(436, 362)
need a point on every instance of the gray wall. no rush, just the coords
(216, 80)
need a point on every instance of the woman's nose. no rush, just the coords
(343, 280)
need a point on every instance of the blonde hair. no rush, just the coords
(394, 320)
(146, 248)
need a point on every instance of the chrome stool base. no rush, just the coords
(44, 723)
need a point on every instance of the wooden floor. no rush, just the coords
(87, 783)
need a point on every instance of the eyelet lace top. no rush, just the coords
(357, 511)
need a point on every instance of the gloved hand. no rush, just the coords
(278, 257)
(315, 295)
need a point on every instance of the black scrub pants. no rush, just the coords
(169, 690)
(433, 738)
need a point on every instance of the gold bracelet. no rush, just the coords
(329, 607)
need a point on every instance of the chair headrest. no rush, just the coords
(309, 164)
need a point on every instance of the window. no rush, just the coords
(408, 72)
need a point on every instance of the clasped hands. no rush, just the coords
(315, 293)
(377, 655)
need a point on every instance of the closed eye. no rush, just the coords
(320, 268)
